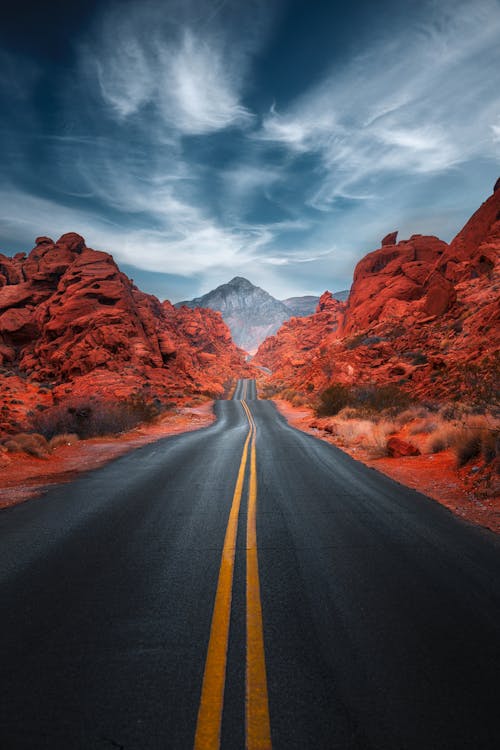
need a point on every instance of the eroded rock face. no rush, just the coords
(72, 323)
(394, 281)
(421, 314)
(390, 239)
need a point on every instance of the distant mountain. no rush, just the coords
(302, 307)
(251, 313)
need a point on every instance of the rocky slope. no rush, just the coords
(72, 325)
(421, 314)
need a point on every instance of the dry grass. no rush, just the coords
(376, 440)
(370, 434)
(30, 443)
(472, 437)
(441, 439)
(424, 427)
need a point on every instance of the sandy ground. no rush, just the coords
(23, 476)
(434, 475)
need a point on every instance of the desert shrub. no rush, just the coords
(268, 390)
(470, 438)
(440, 440)
(490, 446)
(466, 445)
(352, 430)
(63, 439)
(31, 443)
(348, 412)
(376, 439)
(86, 418)
(424, 427)
(333, 399)
(386, 398)
(367, 400)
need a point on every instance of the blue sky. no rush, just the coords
(277, 140)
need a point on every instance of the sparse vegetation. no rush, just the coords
(92, 417)
(31, 443)
(366, 400)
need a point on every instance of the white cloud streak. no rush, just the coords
(186, 242)
(192, 77)
(420, 103)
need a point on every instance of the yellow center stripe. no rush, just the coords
(208, 728)
(212, 693)
(258, 728)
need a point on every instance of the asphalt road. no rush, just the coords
(378, 610)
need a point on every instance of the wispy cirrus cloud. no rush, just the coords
(189, 73)
(420, 103)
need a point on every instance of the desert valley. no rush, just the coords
(407, 364)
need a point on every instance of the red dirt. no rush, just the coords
(434, 475)
(23, 477)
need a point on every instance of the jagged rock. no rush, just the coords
(420, 314)
(390, 239)
(70, 318)
(398, 448)
(390, 282)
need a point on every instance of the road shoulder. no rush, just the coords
(434, 475)
(23, 477)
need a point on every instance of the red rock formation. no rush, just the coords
(71, 323)
(390, 239)
(398, 281)
(421, 314)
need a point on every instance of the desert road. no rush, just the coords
(246, 585)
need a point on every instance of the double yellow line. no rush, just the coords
(257, 724)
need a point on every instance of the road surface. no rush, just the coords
(251, 585)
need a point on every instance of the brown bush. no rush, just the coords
(367, 400)
(90, 418)
(424, 427)
(467, 445)
(30, 443)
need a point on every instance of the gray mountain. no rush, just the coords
(301, 306)
(251, 313)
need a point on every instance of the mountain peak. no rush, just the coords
(251, 313)
(239, 281)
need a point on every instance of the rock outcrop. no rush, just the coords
(72, 323)
(421, 314)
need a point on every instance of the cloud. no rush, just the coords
(418, 103)
(185, 242)
(158, 57)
